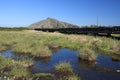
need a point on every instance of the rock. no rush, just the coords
(117, 70)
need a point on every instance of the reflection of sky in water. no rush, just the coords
(107, 62)
(104, 69)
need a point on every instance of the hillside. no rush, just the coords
(52, 23)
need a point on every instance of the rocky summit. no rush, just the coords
(52, 23)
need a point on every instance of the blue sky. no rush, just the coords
(79, 12)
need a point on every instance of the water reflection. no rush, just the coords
(43, 60)
(115, 57)
(86, 64)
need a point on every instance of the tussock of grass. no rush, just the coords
(65, 71)
(64, 68)
(42, 52)
(73, 77)
(87, 54)
(15, 69)
(19, 73)
(2, 48)
(6, 64)
(26, 63)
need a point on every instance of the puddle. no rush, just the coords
(104, 69)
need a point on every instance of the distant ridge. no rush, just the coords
(52, 23)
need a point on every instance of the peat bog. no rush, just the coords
(54, 56)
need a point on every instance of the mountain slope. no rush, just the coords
(52, 23)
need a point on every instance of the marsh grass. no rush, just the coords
(42, 52)
(73, 77)
(26, 63)
(2, 48)
(33, 42)
(65, 71)
(87, 54)
(15, 69)
(109, 46)
(44, 76)
(6, 63)
(64, 68)
(36, 43)
(19, 73)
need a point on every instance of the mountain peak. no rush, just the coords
(49, 18)
(52, 23)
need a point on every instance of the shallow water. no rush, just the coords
(103, 69)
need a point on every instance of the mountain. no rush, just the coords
(52, 23)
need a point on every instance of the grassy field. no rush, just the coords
(37, 43)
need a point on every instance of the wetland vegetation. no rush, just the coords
(41, 45)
